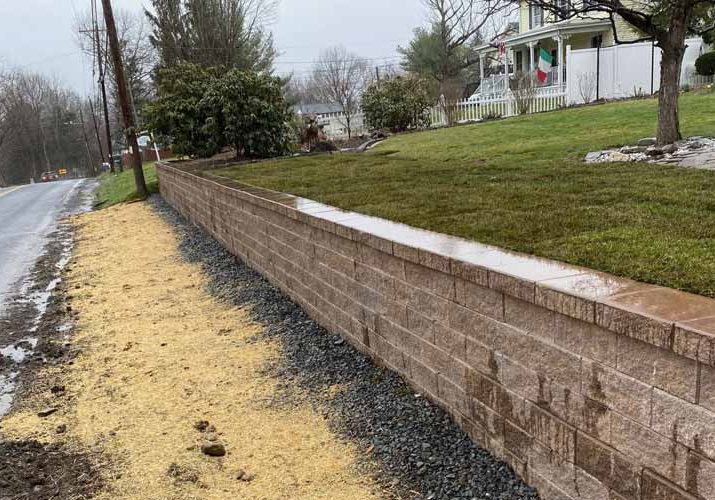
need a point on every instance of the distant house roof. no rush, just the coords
(318, 109)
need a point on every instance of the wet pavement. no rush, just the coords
(27, 215)
(34, 248)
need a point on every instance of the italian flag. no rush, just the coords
(544, 66)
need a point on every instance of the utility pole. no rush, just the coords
(92, 169)
(96, 128)
(107, 130)
(102, 85)
(127, 113)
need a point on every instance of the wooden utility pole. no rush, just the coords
(92, 168)
(107, 129)
(130, 130)
(96, 128)
(102, 85)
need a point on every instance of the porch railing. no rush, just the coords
(495, 85)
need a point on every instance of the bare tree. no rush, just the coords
(457, 26)
(339, 78)
(301, 90)
(668, 23)
(41, 128)
(138, 54)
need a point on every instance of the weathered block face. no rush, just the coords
(589, 386)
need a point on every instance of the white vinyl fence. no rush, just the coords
(501, 106)
(624, 71)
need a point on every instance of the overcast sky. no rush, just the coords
(37, 34)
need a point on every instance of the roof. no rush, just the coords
(569, 26)
(318, 109)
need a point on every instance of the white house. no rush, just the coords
(332, 119)
(586, 56)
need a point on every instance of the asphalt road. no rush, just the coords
(27, 215)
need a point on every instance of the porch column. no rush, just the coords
(506, 70)
(532, 68)
(561, 61)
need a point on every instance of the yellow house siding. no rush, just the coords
(523, 17)
(626, 32)
(549, 17)
(581, 41)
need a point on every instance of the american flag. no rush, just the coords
(501, 46)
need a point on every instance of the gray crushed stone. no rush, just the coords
(415, 447)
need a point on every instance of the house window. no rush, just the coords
(519, 61)
(596, 41)
(564, 8)
(536, 16)
(555, 57)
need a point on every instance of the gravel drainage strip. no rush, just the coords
(419, 451)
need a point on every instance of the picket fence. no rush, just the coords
(696, 81)
(495, 106)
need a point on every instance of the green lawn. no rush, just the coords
(520, 184)
(120, 188)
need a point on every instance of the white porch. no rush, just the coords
(521, 54)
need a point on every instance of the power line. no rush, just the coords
(320, 61)
(313, 71)
(347, 44)
(311, 61)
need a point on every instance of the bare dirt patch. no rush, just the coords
(167, 374)
(33, 470)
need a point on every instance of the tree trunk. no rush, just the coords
(673, 45)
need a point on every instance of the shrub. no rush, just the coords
(201, 110)
(250, 113)
(587, 86)
(523, 87)
(398, 104)
(705, 64)
(179, 115)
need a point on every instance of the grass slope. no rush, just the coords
(120, 188)
(520, 184)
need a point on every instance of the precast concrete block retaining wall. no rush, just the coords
(590, 386)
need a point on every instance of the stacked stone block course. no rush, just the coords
(584, 399)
